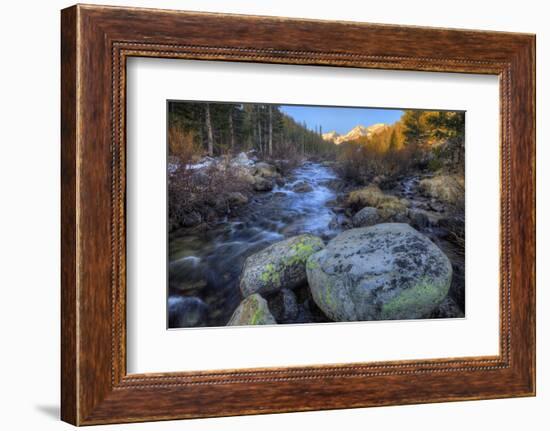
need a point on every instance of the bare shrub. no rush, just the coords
(361, 164)
(201, 195)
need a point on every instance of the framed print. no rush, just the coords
(259, 216)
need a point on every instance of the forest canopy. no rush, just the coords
(198, 128)
(433, 138)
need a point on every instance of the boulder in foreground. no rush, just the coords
(252, 311)
(383, 272)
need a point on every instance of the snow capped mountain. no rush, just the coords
(357, 132)
(331, 136)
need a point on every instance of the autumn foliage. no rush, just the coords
(432, 139)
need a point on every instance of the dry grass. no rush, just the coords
(181, 144)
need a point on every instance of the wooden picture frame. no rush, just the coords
(95, 43)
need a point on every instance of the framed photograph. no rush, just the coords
(266, 215)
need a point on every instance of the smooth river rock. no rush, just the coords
(253, 310)
(281, 265)
(383, 272)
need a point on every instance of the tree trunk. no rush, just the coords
(270, 132)
(260, 136)
(231, 132)
(209, 131)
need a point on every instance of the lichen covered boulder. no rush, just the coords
(253, 310)
(383, 272)
(281, 265)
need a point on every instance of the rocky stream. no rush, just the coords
(316, 249)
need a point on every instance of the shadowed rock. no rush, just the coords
(186, 311)
(284, 306)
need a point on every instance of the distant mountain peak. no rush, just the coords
(331, 136)
(355, 133)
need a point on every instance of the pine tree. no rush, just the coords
(231, 131)
(270, 131)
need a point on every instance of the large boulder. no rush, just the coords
(445, 188)
(390, 207)
(368, 216)
(253, 310)
(243, 173)
(186, 311)
(281, 265)
(387, 271)
(242, 160)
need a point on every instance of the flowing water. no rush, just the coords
(207, 263)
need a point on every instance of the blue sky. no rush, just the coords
(342, 120)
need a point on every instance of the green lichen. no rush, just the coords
(416, 301)
(302, 250)
(299, 254)
(270, 274)
(312, 264)
(328, 296)
(256, 317)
